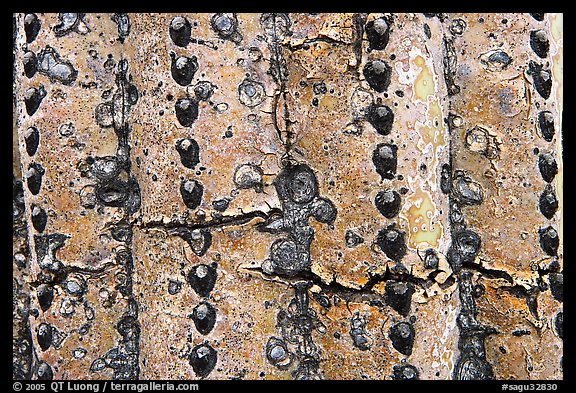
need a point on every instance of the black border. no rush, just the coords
(347, 6)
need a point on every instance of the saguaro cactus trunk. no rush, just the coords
(287, 196)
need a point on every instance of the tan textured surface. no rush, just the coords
(328, 131)
(509, 218)
(511, 181)
(90, 250)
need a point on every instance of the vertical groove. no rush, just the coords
(471, 363)
(23, 351)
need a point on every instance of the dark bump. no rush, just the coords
(39, 218)
(251, 93)
(320, 88)
(392, 242)
(34, 178)
(203, 358)
(202, 278)
(174, 287)
(446, 179)
(548, 203)
(359, 336)
(278, 354)
(431, 260)
(33, 98)
(30, 63)
(31, 27)
(385, 160)
(204, 317)
(398, 295)
(406, 372)
(467, 244)
(113, 193)
(541, 78)
(381, 118)
(539, 43)
(226, 26)
(549, 240)
(183, 68)
(557, 286)
(548, 167)
(499, 59)
(221, 204)
(121, 232)
(546, 125)
(67, 22)
(104, 114)
(521, 332)
(44, 336)
(427, 31)
(457, 27)
(32, 140)
(559, 324)
(123, 22)
(186, 111)
(465, 190)
(378, 33)
(45, 295)
(180, 31)
(192, 192)
(189, 152)
(51, 64)
(402, 337)
(44, 372)
(388, 203)
(378, 74)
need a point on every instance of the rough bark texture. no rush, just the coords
(287, 196)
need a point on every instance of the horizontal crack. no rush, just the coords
(215, 223)
(331, 288)
(320, 38)
(365, 293)
(66, 270)
(489, 273)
